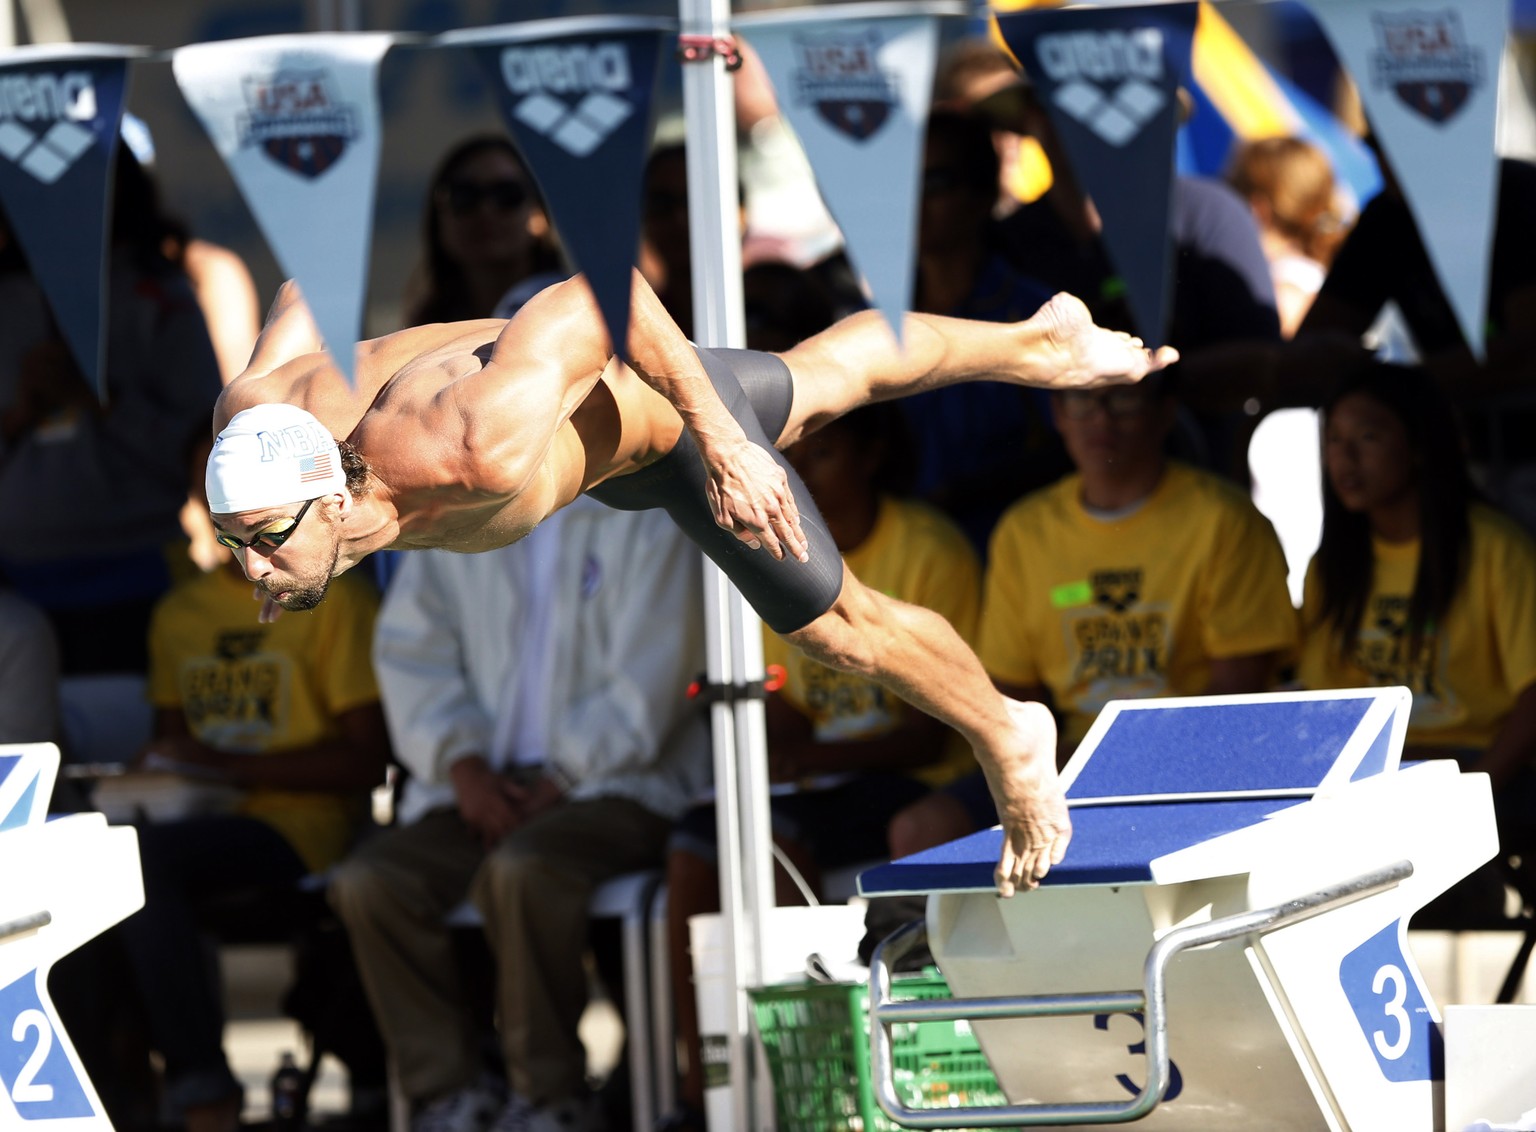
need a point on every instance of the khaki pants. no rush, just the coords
(532, 891)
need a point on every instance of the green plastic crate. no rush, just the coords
(816, 1036)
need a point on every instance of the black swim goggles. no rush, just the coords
(269, 539)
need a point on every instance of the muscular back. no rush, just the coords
(474, 431)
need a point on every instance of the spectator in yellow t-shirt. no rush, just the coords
(1138, 576)
(844, 753)
(1417, 583)
(289, 713)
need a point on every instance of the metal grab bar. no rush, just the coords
(23, 924)
(1152, 1000)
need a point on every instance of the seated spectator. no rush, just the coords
(980, 445)
(1137, 577)
(487, 243)
(129, 460)
(1418, 583)
(29, 673)
(844, 753)
(537, 696)
(1288, 182)
(288, 712)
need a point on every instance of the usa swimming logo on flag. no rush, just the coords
(312, 468)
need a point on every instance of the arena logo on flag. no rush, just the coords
(295, 117)
(1424, 58)
(575, 94)
(1107, 80)
(40, 121)
(841, 77)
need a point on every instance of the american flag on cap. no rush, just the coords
(315, 468)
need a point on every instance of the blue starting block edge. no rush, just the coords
(1111, 844)
(1156, 776)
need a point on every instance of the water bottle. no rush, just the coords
(288, 1096)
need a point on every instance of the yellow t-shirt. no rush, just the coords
(916, 555)
(1136, 606)
(1473, 666)
(259, 688)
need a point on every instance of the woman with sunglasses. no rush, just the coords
(484, 232)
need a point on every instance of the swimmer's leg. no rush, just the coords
(857, 361)
(917, 654)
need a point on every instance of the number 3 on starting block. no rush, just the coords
(1378, 981)
(35, 1067)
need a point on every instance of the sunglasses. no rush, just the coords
(463, 197)
(268, 539)
(1080, 404)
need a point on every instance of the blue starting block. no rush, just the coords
(67, 879)
(1224, 946)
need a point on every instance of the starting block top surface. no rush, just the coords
(1155, 776)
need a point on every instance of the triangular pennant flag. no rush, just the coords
(1109, 79)
(854, 81)
(577, 95)
(60, 108)
(296, 119)
(1428, 75)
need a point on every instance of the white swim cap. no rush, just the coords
(270, 455)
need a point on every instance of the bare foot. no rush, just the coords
(1088, 355)
(1030, 802)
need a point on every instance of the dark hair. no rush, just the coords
(1345, 559)
(441, 292)
(355, 467)
(967, 138)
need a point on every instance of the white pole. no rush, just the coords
(7, 23)
(735, 635)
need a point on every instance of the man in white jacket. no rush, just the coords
(537, 695)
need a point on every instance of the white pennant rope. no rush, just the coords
(1428, 73)
(854, 80)
(296, 119)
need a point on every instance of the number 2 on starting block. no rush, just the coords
(35, 1067)
(1379, 983)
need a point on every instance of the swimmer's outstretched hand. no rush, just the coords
(749, 496)
(1030, 802)
(1081, 355)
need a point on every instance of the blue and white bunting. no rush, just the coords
(1109, 79)
(578, 96)
(60, 109)
(1428, 75)
(296, 119)
(854, 81)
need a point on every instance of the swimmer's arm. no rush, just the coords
(748, 491)
(289, 332)
(560, 332)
